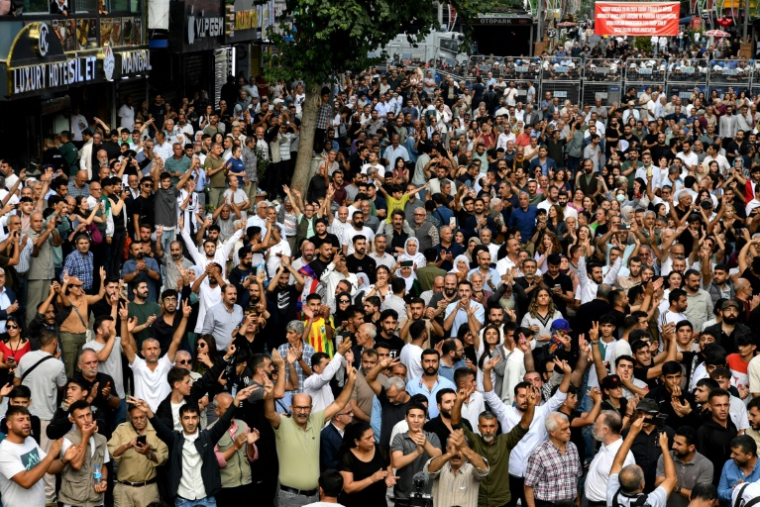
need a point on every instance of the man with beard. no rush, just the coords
(222, 319)
(741, 467)
(321, 235)
(692, 468)
(509, 416)
(497, 449)
(284, 296)
(464, 311)
(141, 269)
(441, 425)
(452, 358)
(431, 382)
(441, 300)
(607, 430)
(174, 262)
(700, 305)
(634, 274)
(358, 261)
(753, 412)
(243, 275)
(729, 329)
(307, 255)
(111, 297)
(357, 229)
(101, 386)
(211, 253)
(387, 328)
(146, 312)
(169, 323)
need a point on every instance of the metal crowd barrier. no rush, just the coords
(562, 76)
(602, 80)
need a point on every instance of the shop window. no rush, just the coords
(90, 6)
(36, 6)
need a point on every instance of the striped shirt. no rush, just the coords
(26, 253)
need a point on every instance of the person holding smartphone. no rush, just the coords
(137, 449)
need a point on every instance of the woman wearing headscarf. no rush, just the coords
(461, 267)
(412, 253)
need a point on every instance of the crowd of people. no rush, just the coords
(477, 301)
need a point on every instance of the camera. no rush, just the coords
(418, 497)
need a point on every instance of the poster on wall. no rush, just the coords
(87, 35)
(636, 18)
(66, 30)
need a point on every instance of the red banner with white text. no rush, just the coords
(636, 18)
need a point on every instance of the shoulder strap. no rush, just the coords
(81, 319)
(739, 501)
(35, 365)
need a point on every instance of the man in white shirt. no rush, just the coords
(713, 153)
(317, 385)
(149, 371)
(21, 458)
(688, 157)
(126, 115)
(592, 277)
(607, 430)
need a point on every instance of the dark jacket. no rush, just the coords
(329, 445)
(207, 439)
(206, 384)
(61, 424)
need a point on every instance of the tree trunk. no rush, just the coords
(300, 179)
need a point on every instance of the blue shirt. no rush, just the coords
(525, 220)
(130, 266)
(237, 167)
(730, 476)
(80, 266)
(416, 386)
(448, 372)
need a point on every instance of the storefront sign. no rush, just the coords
(135, 62)
(636, 18)
(52, 75)
(201, 28)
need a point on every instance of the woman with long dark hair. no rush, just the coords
(365, 467)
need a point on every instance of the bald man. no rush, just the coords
(298, 441)
(234, 451)
(78, 185)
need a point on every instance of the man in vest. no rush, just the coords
(80, 482)
(425, 232)
(234, 452)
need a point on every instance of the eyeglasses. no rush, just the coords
(344, 301)
(184, 361)
(12, 327)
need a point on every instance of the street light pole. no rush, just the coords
(746, 20)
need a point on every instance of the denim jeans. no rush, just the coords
(209, 501)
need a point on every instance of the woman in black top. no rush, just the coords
(366, 468)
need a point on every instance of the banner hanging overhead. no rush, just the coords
(636, 18)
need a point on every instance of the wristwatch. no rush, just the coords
(678, 490)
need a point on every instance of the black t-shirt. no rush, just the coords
(329, 238)
(237, 277)
(145, 208)
(53, 156)
(99, 403)
(367, 265)
(565, 283)
(394, 343)
(641, 374)
(285, 299)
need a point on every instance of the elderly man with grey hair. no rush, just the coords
(607, 430)
(626, 483)
(294, 333)
(554, 467)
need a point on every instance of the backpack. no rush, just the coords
(740, 502)
(641, 499)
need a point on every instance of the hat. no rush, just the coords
(278, 101)
(631, 103)
(611, 382)
(560, 325)
(728, 303)
(648, 405)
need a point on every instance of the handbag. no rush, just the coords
(94, 233)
